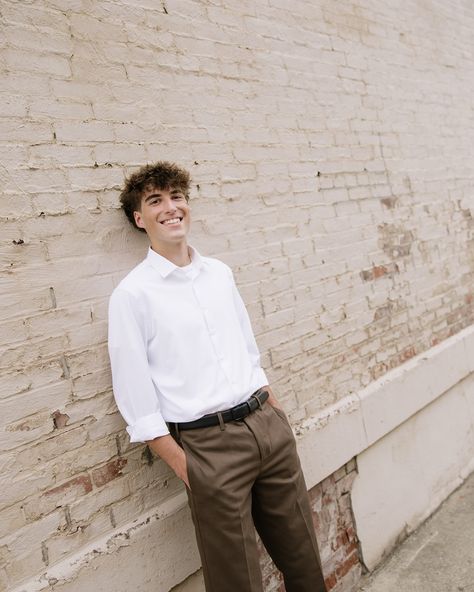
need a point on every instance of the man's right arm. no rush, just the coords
(134, 391)
(173, 455)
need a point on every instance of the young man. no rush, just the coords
(187, 380)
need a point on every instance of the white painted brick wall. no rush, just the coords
(330, 146)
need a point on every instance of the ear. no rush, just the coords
(138, 219)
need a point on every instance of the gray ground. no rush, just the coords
(438, 557)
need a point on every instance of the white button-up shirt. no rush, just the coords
(180, 343)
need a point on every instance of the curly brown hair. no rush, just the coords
(160, 175)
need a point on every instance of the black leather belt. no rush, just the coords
(234, 413)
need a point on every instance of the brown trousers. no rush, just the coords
(244, 475)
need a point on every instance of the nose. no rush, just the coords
(170, 205)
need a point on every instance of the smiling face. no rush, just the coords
(164, 215)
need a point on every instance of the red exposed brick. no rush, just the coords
(378, 271)
(341, 539)
(330, 581)
(351, 534)
(343, 569)
(108, 472)
(407, 353)
(352, 547)
(378, 370)
(82, 483)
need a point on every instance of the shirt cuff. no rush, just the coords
(147, 428)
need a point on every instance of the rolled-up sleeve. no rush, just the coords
(246, 326)
(133, 387)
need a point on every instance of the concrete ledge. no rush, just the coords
(331, 438)
(406, 475)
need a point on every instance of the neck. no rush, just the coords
(178, 253)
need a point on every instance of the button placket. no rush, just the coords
(213, 336)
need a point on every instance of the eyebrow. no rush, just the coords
(173, 192)
(152, 196)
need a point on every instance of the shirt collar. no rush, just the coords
(164, 266)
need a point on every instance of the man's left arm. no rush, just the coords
(271, 397)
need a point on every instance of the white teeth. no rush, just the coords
(172, 221)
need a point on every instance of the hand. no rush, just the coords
(272, 399)
(173, 455)
(181, 470)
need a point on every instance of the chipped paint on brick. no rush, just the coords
(108, 472)
(59, 419)
(396, 240)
